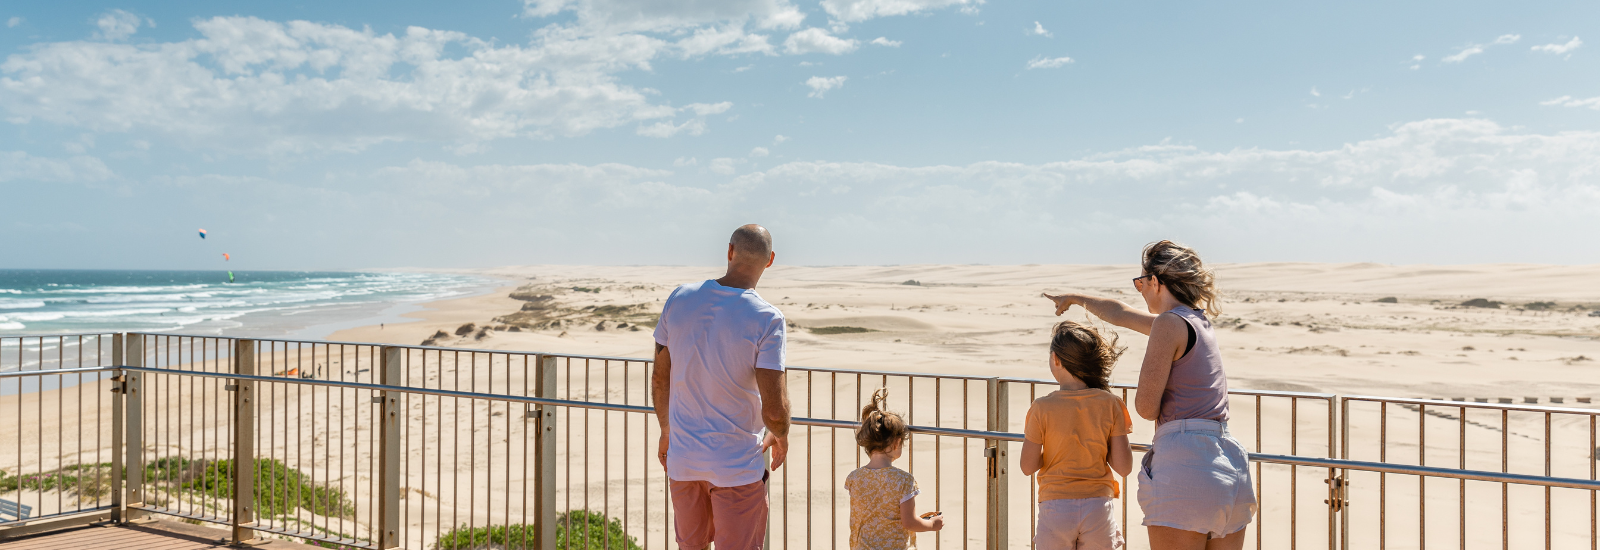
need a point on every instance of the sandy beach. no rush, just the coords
(1284, 326)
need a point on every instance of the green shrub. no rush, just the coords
(1388, 300)
(279, 488)
(840, 330)
(589, 531)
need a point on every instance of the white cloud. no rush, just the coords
(21, 166)
(725, 40)
(1315, 93)
(862, 10)
(1469, 51)
(724, 166)
(1569, 101)
(1476, 49)
(694, 126)
(821, 85)
(815, 40)
(881, 41)
(1560, 49)
(760, 152)
(666, 129)
(682, 162)
(780, 138)
(1038, 30)
(620, 16)
(117, 25)
(1041, 62)
(303, 86)
(703, 109)
(13, 22)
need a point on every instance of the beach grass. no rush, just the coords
(589, 530)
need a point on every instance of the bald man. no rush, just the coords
(718, 381)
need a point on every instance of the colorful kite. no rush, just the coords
(226, 257)
(202, 233)
(230, 276)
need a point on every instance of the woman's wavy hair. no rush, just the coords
(1180, 269)
(880, 429)
(1086, 354)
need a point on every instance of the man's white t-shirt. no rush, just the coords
(717, 337)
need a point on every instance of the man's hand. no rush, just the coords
(1063, 302)
(662, 451)
(778, 445)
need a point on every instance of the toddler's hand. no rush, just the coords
(938, 522)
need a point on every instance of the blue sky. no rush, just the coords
(367, 134)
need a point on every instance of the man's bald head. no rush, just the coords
(751, 243)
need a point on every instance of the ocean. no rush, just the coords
(302, 304)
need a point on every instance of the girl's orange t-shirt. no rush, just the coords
(1074, 427)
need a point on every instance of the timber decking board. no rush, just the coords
(159, 535)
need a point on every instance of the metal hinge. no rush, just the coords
(1336, 493)
(991, 455)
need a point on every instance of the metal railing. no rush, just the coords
(375, 446)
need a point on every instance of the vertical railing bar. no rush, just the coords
(1505, 489)
(938, 452)
(1344, 453)
(1260, 496)
(833, 461)
(78, 469)
(243, 432)
(1383, 487)
(1294, 477)
(390, 451)
(1461, 491)
(1422, 482)
(118, 427)
(133, 429)
(472, 444)
(1547, 538)
(605, 451)
(811, 413)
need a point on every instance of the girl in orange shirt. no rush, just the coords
(1076, 437)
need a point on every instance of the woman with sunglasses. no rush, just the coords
(1194, 485)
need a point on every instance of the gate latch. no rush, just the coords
(1336, 489)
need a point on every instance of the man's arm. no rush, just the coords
(774, 387)
(661, 393)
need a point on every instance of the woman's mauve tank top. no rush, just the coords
(1197, 387)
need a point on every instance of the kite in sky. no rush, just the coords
(202, 233)
(226, 257)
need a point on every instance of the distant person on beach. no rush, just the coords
(1194, 484)
(718, 381)
(1074, 438)
(883, 498)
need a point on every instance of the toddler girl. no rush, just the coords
(883, 498)
(1075, 438)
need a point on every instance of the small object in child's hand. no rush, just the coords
(931, 514)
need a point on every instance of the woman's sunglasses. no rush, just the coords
(1140, 278)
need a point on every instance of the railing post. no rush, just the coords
(118, 381)
(999, 421)
(133, 427)
(544, 446)
(244, 439)
(389, 452)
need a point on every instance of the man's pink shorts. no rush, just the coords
(733, 517)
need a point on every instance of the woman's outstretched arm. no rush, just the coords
(1112, 311)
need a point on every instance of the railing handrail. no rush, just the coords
(1292, 460)
(1471, 404)
(790, 367)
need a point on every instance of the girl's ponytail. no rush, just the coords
(880, 429)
